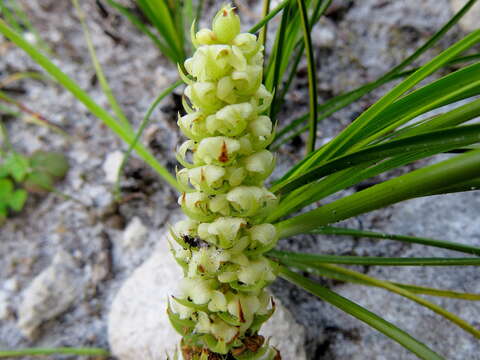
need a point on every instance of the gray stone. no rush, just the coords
(134, 234)
(4, 306)
(138, 327)
(52, 292)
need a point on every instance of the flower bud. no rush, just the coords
(226, 25)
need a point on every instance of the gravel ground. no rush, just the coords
(356, 43)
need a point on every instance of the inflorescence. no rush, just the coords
(222, 302)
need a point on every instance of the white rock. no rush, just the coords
(471, 20)
(138, 326)
(134, 234)
(285, 334)
(112, 165)
(11, 285)
(323, 36)
(50, 293)
(4, 306)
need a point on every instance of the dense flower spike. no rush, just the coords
(222, 301)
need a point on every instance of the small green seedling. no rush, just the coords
(20, 174)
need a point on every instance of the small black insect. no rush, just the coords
(194, 241)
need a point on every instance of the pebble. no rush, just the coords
(134, 234)
(111, 166)
(51, 293)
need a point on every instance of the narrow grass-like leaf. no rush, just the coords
(263, 32)
(375, 321)
(164, 48)
(159, 15)
(417, 183)
(330, 230)
(269, 17)
(435, 141)
(340, 101)
(397, 290)
(54, 351)
(107, 90)
(393, 73)
(312, 77)
(143, 125)
(371, 260)
(356, 130)
(89, 103)
(327, 271)
(343, 179)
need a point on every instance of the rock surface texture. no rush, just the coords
(357, 42)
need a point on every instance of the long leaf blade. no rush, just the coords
(375, 321)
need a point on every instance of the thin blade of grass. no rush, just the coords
(107, 90)
(164, 49)
(143, 125)
(375, 321)
(330, 230)
(323, 271)
(54, 351)
(313, 259)
(268, 17)
(263, 32)
(89, 103)
(312, 77)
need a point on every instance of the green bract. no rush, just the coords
(222, 301)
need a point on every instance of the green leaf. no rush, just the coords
(117, 110)
(397, 290)
(312, 76)
(18, 166)
(143, 125)
(314, 259)
(343, 100)
(182, 326)
(38, 182)
(417, 183)
(191, 304)
(125, 11)
(330, 230)
(436, 141)
(361, 126)
(52, 163)
(6, 189)
(269, 17)
(375, 321)
(3, 171)
(18, 199)
(322, 270)
(54, 351)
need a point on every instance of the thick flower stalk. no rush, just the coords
(222, 302)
